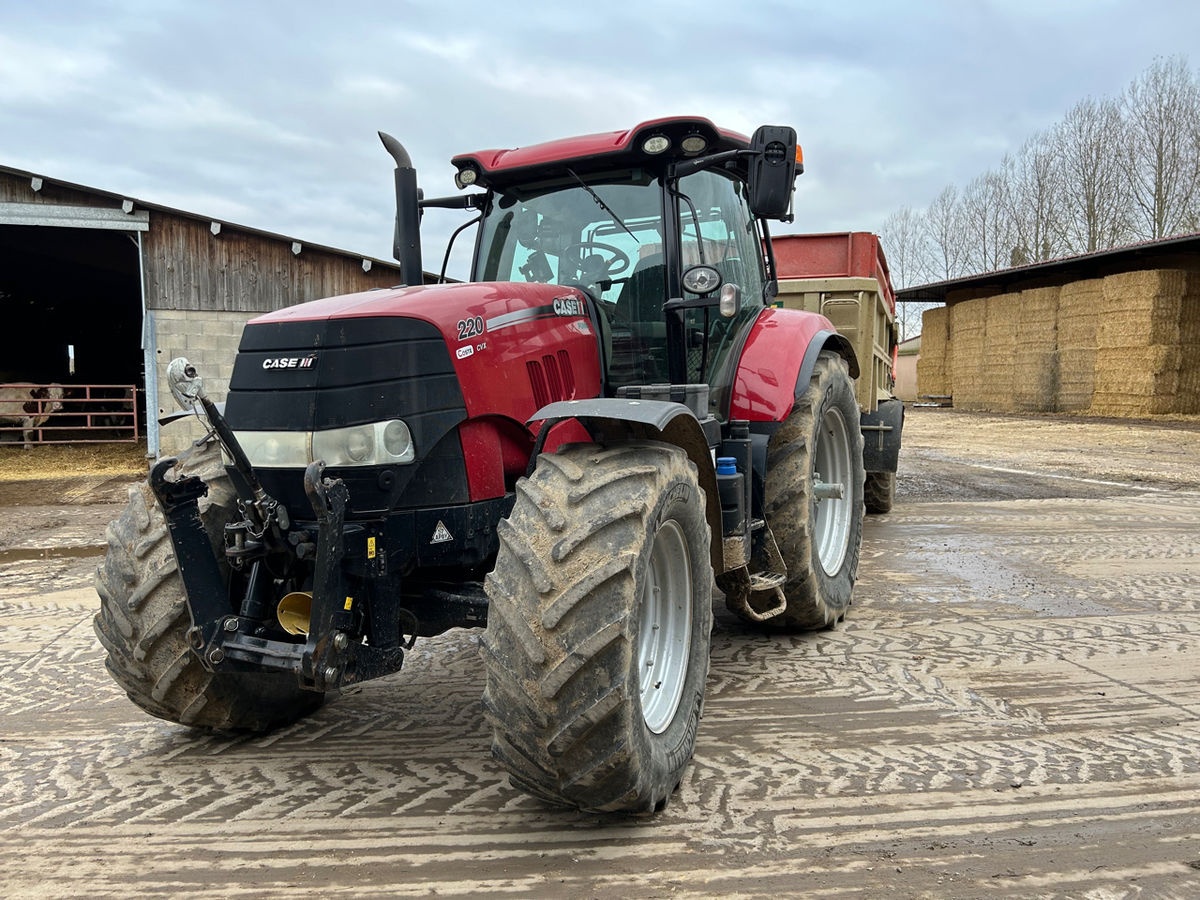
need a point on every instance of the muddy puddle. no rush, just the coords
(26, 554)
(81, 491)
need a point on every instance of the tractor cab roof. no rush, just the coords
(647, 144)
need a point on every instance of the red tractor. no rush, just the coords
(573, 449)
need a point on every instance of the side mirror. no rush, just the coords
(773, 170)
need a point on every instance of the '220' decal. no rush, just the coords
(470, 328)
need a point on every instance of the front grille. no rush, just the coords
(331, 373)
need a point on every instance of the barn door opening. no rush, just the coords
(71, 301)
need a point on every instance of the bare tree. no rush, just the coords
(987, 223)
(1033, 191)
(1161, 109)
(903, 237)
(1089, 143)
(904, 242)
(946, 236)
(1113, 170)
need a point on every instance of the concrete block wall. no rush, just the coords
(209, 339)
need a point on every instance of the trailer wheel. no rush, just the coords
(879, 492)
(597, 644)
(143, 620)
(815, 455)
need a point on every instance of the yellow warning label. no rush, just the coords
(370, 548)
(349, 603)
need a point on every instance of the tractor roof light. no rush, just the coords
(466, 176)
(656, 144)
(693, 143)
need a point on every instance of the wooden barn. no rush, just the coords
(99, 291)
(1114, 333)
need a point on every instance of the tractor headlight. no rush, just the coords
(373, 444)
(274, 449)
(397, 441)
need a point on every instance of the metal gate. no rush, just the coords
(89, 414)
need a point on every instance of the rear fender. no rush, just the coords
(774, 371)
(777, 363)
(610, 420)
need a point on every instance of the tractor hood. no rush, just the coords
(501, 305)
(494, 336)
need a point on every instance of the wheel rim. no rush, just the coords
(833, 494)
(665, 627)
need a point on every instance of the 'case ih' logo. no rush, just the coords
(568, 306)
(289, 362)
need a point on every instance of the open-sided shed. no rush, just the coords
(1114, 333)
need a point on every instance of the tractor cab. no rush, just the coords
(662, 227)
(631, 241)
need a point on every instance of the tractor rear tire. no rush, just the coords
(819, 537)
(143, 620)
(879, 492)
(599, 619)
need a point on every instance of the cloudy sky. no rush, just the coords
(265, 113)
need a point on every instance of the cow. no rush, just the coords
(28, 406)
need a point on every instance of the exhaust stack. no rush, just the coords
(406, 245)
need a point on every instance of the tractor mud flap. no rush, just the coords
(881, 437)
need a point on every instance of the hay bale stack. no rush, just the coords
(998, 380)
(1080, 305)
(1138, 351)
(933, 365)
(968, 326)
(1141, 308)
(1137, 381)
(1035, 364)
(1189, 346)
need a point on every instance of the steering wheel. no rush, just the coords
(618, 260)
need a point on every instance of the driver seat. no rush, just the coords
(640, 303)
(639, 355)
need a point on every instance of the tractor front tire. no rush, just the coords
(599, 619)
(143, 620)
(815, 453)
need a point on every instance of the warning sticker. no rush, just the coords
(441, 534)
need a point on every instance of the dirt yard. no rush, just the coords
(1012, 708)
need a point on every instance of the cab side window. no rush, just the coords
(717, 230)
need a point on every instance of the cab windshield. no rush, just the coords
(591, 236)
(605, 236)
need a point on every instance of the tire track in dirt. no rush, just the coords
(972, 738)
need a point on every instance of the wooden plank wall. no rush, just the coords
(17, 189)
(187, 267)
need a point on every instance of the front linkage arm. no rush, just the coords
(331, 656)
